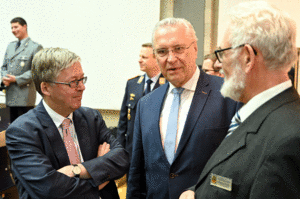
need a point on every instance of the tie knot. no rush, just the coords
(178, 90)
(149, 81)
(66, 123)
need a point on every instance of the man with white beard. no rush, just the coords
(260, 156)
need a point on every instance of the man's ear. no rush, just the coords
(45, 88)
(249, 57)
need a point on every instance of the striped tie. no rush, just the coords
(235, 122)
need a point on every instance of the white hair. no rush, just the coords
(175, 22)
(265, 28)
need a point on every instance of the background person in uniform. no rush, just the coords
(261, 157)
(136, 88)
(167, 156)
(60, 149)
(211, 65)
(20, 90)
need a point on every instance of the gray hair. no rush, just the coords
(175, 22)
(48, 63)
(266, 28)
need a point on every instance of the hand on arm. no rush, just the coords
(9, 79)
(187, 195)
(67, 170)
(102, 150)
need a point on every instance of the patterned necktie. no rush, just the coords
(18, 44)
(235, 122)
(69, 142)
(171, 133)
(148, 88)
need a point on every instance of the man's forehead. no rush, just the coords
(171, 34)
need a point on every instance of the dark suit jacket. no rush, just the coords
(262, 156)
(150, 174)
(125, 127)
(37, 152)
(18, 63)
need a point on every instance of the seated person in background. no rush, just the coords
(210, 67)
(60, 149)
(260, 156)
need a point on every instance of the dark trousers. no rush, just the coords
(16, 111)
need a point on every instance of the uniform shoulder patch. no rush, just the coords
(134, 77)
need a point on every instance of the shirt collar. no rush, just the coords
(154, 79)
(191, 84)
(262, 98)
(57, 118)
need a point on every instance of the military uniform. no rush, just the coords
(133, 92)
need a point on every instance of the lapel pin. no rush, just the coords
(204, 92)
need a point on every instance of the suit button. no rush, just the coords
(125, 135)
(173, 175)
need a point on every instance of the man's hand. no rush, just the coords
(187, 195)
(67, 170)
(103, 149)
(8, 79)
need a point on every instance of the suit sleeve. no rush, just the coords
(122, 127)
(26, 77)
(136, 179)
(278, 176)
(34, 170)
(112, 165)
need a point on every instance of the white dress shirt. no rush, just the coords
(262, 98)
(184, 107)
(58, 119)
(154, 80)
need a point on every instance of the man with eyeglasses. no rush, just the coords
(210, 66)
(60, 149)
(260, 156)
(180, 124)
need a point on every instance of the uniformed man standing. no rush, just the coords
(16, 70)
(136, 88)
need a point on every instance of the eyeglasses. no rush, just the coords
(73, 84)
(208, 71)
(162, 52)
(220, 52)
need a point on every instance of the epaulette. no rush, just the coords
(134, 77)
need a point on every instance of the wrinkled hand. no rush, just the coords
(67, 170)
(8, 79)
(103, 149)
(187, 195)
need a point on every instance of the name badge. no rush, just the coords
(221, 182)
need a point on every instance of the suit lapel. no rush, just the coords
(201, 94)
(140, 88)
(159, 98)
(158, 83)
(237, 140)
(81, 128)
(53, 135)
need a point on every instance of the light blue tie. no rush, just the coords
(235, 122)
(170, 140)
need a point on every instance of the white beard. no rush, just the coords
(233, 86)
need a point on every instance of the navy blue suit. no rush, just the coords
(210, 114)
(37, 151)
(128, 110)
